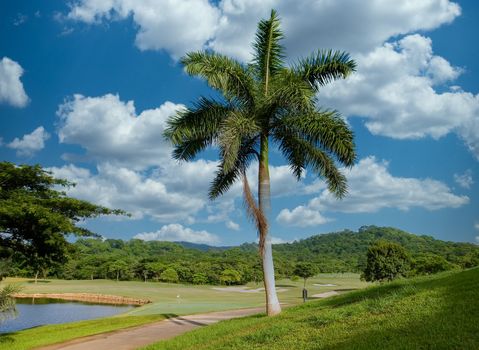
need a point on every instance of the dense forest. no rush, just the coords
(344, 251)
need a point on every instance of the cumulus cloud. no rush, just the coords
(395, 89)
(109, 129)
(232, 225)
(464, 180)
(11, 88)
(31, 143)
(301, 216)
(174, 26)
(140, 193)
(279, 240)
(135, 170)
(176, 233)
(371, 188)
(229, 25)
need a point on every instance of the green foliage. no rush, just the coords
(90, 258)
(7, 302)
(386, 261)
(35, 217)
(305, 270)
(230, 276)
(262, 100)
(430, 263)
(169, 275)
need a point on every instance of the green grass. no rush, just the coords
(51, 334)
(193, 299)
(434, 312)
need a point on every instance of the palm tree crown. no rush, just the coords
(266, 101)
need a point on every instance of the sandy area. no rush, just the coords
(325, 294)
(244, 290)
(87, 297)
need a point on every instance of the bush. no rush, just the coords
(385, 262)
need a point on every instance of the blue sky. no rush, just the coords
(86, 87)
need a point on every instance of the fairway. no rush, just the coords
(180, 299)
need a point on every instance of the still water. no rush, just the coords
(38, 312)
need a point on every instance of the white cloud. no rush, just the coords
(11, 88)
(476, 226)
(232, 225)
(176, 233)
(465, 180)
(229, 27)
(279, 240)
(30, 143)
(301, 217)
(140, 193)
(372, 188)
(311, 24)
(174, 26)
(395, 90)
(109, 129)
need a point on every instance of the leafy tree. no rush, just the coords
(430, 263)
(262, 102)
(305, 270)
(119, 268)
(169, 275)
(230, 276)
(200, 278)
(386, 261)
(35, 217)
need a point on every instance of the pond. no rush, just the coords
(38, 312)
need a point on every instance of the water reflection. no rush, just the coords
(41, 311)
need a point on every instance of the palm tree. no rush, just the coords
(265, 101)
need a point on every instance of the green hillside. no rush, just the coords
(347, 249)
(202, 264)
(434, 312)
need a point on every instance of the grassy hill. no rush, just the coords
(434, 312)
(347, 249)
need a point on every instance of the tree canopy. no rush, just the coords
(386, 261)
(36, 216)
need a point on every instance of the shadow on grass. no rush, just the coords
(38, 281)
(6, 338)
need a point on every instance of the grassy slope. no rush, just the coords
(436, 312)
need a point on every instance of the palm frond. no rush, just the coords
(291, 91)
(235, 130)
(192, 130)
(268, 52)
(325, 66)
(323, 128)
(225, 74)
(301, 153)
(224, 180)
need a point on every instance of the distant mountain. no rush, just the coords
(202, 247)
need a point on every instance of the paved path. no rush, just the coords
(136, 337)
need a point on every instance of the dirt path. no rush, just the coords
(134, 338)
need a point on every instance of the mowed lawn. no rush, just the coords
(433, 312)
(167, 299)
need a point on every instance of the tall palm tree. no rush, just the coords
(265, 101)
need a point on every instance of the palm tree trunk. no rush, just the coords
(264, 193)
